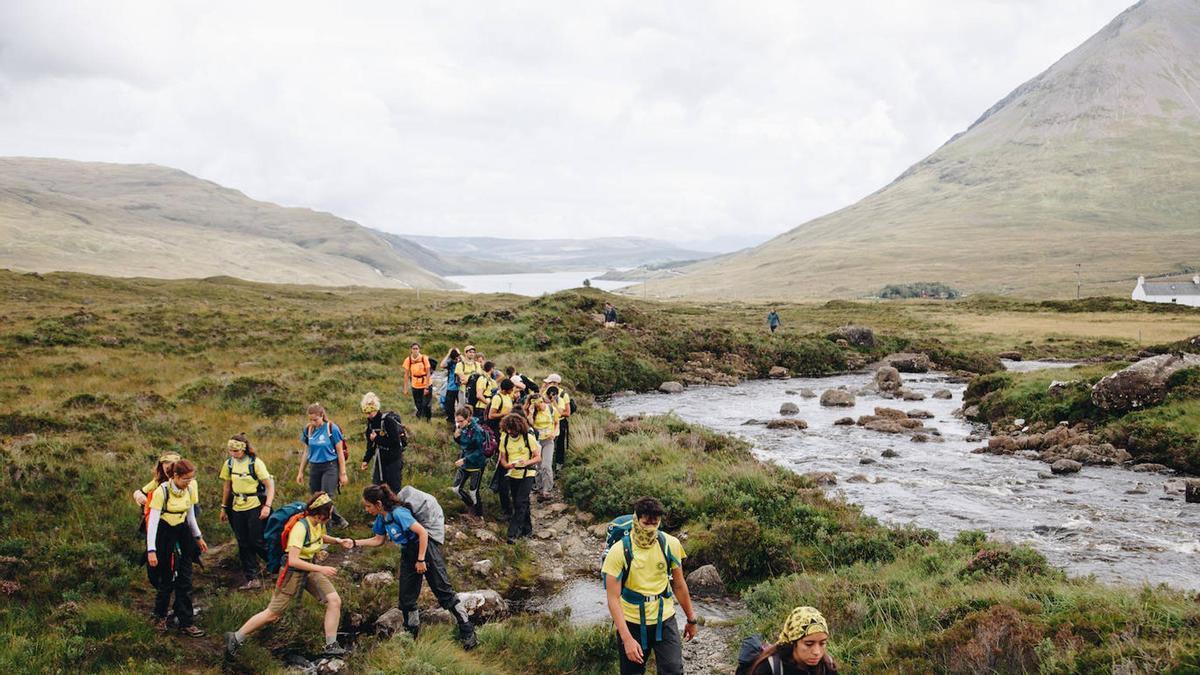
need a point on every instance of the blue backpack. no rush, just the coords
(276, 529)
(619, 531)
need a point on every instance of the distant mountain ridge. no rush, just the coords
(1092, 166)
(154, 221)
(533, 255)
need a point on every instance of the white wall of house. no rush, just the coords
(1188, 293)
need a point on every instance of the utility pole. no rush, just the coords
(1078, 283)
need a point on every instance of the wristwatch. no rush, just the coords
(692, 622)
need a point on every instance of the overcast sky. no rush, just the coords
(722, 122)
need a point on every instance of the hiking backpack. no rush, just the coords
(490, 443)
(260, 491)
(619, 531)
(403, 429)
(276, 531)
(472, 393)
(749, 652)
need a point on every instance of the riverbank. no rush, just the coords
(105, 373)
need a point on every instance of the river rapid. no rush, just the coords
(1121, 526)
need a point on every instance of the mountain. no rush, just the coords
(147, 220)
(531, 255)
(1095, 162)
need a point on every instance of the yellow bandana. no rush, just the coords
(804, 621)
(370, 408)
(643, 537)
(319, 502)
(169, 458)
(236, 445)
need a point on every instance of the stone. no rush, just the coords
(908, 362)
(890, 413)
(705, 580)
(1141, 384)
(583, 517)
(1091, 454)
(859, 336)
(837, 398)
(887, 379)
(752, 422)
(1010, 355)
(485, 536)
(484, 605)
(389, 623)
(821, 477)
(787, 424)
(884, 426)
(919, 438)
(546, 533)
(864, 420)
(866, 460)
(974, 438)
(671, 388)
(1191, 491)
(482, 567)
(889, 453)
(552, 576)
(777, 373)
(910, 395)
(910, 424)
(557, 507)
(807, 393)
(379, 579)
(1148, 467)
(918, 414)
(459, 536)
(330, 666)
(1065, 466)
(791, 392)
(789, 408)
(971, 412)
(844, 422)
(858, 478)
(944, 394)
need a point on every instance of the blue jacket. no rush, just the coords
(471, 442)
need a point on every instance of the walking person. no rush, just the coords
(543, 419)
(450, 399)
(142, 494)
(246, 500)
(471, 439)
(481, 387)
(560, 398)
(306, 538)
(610, 315)
(171, 524)
(386, 441)
(418, 376)
(420, 557)
(499, 406)
(322, 440)
(520, 455)
(802, 648)
(467, 366)
(773, 320)
(643, 575)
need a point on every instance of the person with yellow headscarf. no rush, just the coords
(802, 648)
(246, 500)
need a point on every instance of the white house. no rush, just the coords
(1177, 290)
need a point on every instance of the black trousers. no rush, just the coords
(439, 584)
(449, 406)
(562, 442)
(503, 490)
(392, 473)
(423, 402)
(668, 652)
(520, 524)
(248, 530)
(466, 484)
(179, 583)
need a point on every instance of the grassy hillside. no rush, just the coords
(104, 374)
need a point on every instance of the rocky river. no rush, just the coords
(1119, 525)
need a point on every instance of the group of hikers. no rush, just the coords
(501, 414)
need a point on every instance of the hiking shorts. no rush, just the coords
(318, 585)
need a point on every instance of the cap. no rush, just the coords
(553, 378)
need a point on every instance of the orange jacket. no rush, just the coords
(419, 373)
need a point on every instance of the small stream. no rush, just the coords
(1116, 524)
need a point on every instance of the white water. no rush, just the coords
(1086, 522)
(535, 283)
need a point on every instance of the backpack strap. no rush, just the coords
(639, 600)
(776, 664)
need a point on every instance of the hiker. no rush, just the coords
(473, 440)
(520, 456)
(800, 649)
(610, 315)
(643, 578)
(501, 404)
(404, 523)
(246, 502)
(561, 400)
(386, 440)
(773, 320)
(467, 366)
(543, 419)
(172, 523)
(453, 383)
(142, 494)
(306, 536)
(481, 387)
(418, 375)
(326, 463)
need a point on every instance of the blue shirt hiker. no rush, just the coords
(396, 526)
(322, 442)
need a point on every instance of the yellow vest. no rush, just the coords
(177, 504)
(516, 449)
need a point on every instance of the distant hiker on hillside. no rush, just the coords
(305, 533)
(560, 398)
(450, 399)
(800, 649)
(473, 440)
(481, 387)
(773, 320)
(520, 456)
(643, 573)
(386, 440)
(544, 419)
(418, 529)
(170, 525)
(322, 440)
(418, 375)
(246, 500)
(610, 315)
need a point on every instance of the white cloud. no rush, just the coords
(681, 120)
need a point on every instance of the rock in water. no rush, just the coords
(944, 394)
(1011, 356)
(1065, 466)
(837, 398)
(705, 580)
(807, 393)
(822, 477)
(787, 424)
(887, 379)
(671, 388)
(789, 408)
(778, 373)
(1191, 491)
(906, 362)
(910, 395)
(918, 414)
(844, 422)
(890, 413)
(1142, 384)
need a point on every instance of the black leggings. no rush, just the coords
(180, 581)
(439, 583)
(248, 529)
(520, 524)
(466, 483)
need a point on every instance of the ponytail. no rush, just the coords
(180, 468)
(381, 494)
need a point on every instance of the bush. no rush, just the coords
(1006, 565)
(920, 289)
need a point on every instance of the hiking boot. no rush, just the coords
(160, 624)
(231, 645)
(470, 643)
(341, 523)
(193, 631)
(251, 585)
(333, 650)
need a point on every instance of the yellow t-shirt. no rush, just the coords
(483, 391)
(315, 539)
(648, 576)
(516, 449)
(149, 487)
(244, 486)
(178, 502)
(501, 403)
(465, 370)
(545, 422)
(564, 403)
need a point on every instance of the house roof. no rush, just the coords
(1175, 286)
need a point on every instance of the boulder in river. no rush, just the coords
(910, 395)
(1191, 491)
(919, 438)
(910, 424)
(944, 394)
(807, 393)
(822, 477)
(1091, 454)
(705, 580)
(887, 379)
(782, 423)
(671, 388)
(889, 453)
(789, 408)
(1010, 355)
(918, 414)
(890, 413)
(1065, 466)
(777, 373)
(909, 362)
(885, 426)
(859, 336)
(866, 460)
(1142, 384)
(1147, 467)
(837, 398)
(844, 422)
